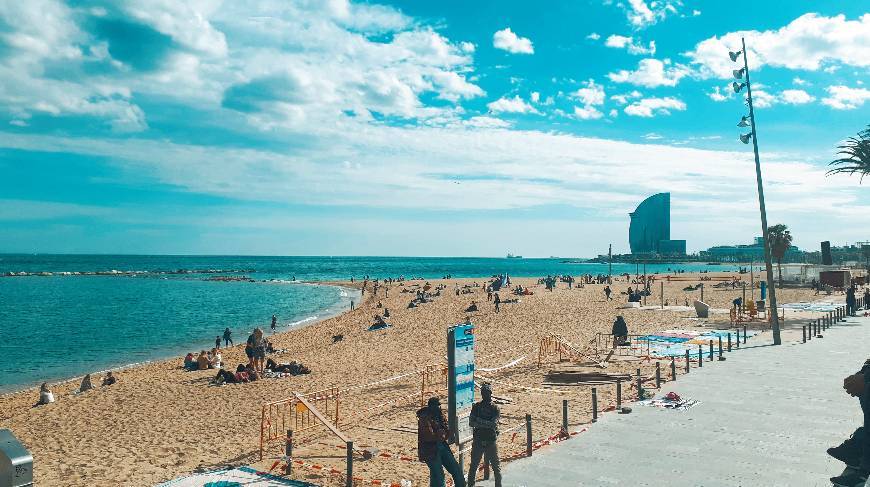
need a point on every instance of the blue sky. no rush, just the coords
(419, 128)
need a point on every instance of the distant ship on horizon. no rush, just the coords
(512, 256)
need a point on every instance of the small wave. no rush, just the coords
(304, 320)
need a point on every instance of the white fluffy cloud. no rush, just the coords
(809, 42)
(649, 107)
(506, 40)
(587, 113)
(290, 64)
(796, 97)
(591, 95)
(763, 99)
(594, 36)
(652, 73)
(629, 44)
(641, 14)
(624, 98)
(718, 95)
(845, 98)
(510, 105)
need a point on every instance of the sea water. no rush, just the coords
(62, 316)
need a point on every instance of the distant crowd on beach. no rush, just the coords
(46, 396)
(258, 366)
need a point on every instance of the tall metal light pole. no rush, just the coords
(739, 74)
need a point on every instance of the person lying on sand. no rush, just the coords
(293, 367)
(380, 323)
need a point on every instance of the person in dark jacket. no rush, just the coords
(432, 437)
(619, 331)
(484, 420)
(855, 451)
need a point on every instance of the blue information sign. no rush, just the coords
(460, 364)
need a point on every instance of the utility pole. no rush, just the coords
(774, 315)
(609, 264)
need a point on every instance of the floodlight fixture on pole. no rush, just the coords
(744, 121)
(771, 284)
(737, 86)
(738, 73)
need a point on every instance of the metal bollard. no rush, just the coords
(729, 341)
(700, 356)
(349, 481)
(721, 358)
(711, 350)
(594, 405)
(289, 453)
(804, 331)
(744, 334)
(738, 337)
(565, 415)
(639, 386)
(673, 369)
(528, 435)
(687, 361)
(658, 376)
(618, 394)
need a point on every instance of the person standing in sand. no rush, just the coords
(258, 349)
(497, 301)
(274, 323)
(432, 436)
(484, 420)
(607, 293)
(228, 337)
(217, 342)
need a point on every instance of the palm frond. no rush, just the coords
(856, 156)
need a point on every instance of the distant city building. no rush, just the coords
(746, 253)
(650, 229)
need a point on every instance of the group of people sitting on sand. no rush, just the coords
(205, 360)
(47, 397)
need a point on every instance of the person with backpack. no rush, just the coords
(432, 437)
(484, 420)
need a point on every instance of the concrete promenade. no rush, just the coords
(766, 416)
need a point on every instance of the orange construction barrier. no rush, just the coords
(291, 413)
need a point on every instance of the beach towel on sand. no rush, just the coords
(237, 477)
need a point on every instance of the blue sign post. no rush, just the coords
(460, 373)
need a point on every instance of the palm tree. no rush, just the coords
(780, 241)
(856, 152)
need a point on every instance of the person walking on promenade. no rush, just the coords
(851, 301)
(855, 451)
(228, 337)
(497, 301)
(432, 436)
(484, 420)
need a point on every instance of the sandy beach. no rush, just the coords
(159, 422)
